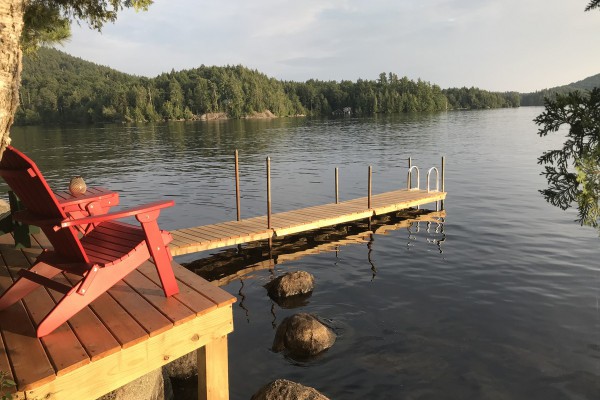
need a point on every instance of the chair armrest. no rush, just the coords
(93, 194)
(131, 212)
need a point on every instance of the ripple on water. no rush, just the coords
(501, 301)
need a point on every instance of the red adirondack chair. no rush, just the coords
(101, 257)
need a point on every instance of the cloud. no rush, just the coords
(522, 45)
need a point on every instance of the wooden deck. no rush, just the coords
(290, 222)
(125, 333)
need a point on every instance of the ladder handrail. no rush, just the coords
(409, 178)
(437, 179)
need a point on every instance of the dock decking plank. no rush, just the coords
(207, 289)
(124, 328)
(98, 336)
(5, 367)
(63, 348)
(144, 313)
(170, 307)
(27, 355)
(95, 338)
(219, 232)
(230, 233)
(290, 222)
(190, 298)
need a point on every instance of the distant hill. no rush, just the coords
(60, 89)
(537, 98)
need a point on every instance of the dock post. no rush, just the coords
(237, 187)
(443, 180)
(370, 186)
(409, 167)
(269, 192)
(269, 204)
(213, 370)
(337, 193)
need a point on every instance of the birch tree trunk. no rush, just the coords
(11, 25)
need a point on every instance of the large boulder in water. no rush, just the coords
(303, 335)
(282, 389)
(291, 284)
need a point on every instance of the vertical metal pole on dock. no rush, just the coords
(370, 186)
(237, 187)
(337, 193)
(269, 192)
(443, 179)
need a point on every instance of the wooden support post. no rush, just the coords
(370, 186)
(443, 180)
(337, 193)
(409, 166)
(237, 187)
(269, 192)
(213, 370)
(443, 173)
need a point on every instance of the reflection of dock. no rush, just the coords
(362, 237)
(292, 222)
(221, 268)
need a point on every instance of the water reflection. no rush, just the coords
(370, 247)
(235, 263)
(509, 310)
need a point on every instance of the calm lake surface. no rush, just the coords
(500, 301)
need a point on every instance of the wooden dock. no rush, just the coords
(281, 257)
(123, 335)
(224, 234)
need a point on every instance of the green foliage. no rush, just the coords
(49, 21)
(573, 172)
(593, 4)
(473, 98)
(43, 25)
(5, 383)
(537, 98)
(57, 89)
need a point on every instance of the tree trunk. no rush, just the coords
(11, 25)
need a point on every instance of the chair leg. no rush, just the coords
(160, 253)
(23, 286)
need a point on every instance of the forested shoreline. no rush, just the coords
(58, 89)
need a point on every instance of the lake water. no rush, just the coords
(500, 301)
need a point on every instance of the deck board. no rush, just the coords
(64, 350)
(28, 358)
(170, 307)
(120, 336)
(207, 237)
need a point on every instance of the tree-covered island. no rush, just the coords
(58, 88)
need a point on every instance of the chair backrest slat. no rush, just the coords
(37, 197)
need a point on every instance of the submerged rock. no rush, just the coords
(297, 301)
(291, 284)
(282, 389)
(303, 335)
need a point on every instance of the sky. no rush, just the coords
(499, 45)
